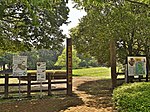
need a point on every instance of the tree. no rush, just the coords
(49, 56)
(87, 61)
(32, 58)
(6, 59)
(126, 22)
(25, 24)
(62, 59)
(44, 55)
(120, 23)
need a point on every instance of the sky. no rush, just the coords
(74, 16)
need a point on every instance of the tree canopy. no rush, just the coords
(125, 21)
(62, 59)
(25, 24)
(33, 56)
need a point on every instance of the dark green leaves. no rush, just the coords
(32, 23)
(132, 97)
(127, 22)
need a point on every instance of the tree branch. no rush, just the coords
(135, 2)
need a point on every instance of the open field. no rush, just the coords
(102, 72)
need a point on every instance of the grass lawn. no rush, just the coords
(101, 72)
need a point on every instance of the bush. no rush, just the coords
(133, 97)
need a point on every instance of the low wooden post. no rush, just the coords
(69, 66)
(29, 85)
(49, 84)
(147, 69)
(140, 77)
(6, 85)
(4, 67)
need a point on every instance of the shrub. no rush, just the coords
(133, 97)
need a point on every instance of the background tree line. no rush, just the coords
(55, 59)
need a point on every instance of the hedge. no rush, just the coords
(133, 97)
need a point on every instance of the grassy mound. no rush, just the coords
(133, 97)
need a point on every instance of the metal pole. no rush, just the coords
(41, 89)
(19, 89)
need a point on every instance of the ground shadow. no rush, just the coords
(53, 103)
(99, 92)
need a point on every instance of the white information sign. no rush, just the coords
(19, 65)
(41, 71)
(136, 66)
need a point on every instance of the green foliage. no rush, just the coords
(102, 72)
(6, 58)
(32, 23)
(87, 61)
(126, 22)
(32, 58)
(132, 97)
(48, 56)
(62, 59)
(44, 55)
(90, 44)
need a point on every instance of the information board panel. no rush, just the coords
(41, 71)
(19, 65)
(136, 65)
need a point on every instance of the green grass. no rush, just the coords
(11, 80)
(2, 81)
(102, 72)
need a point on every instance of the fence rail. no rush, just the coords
(30, 78)
(7, 74)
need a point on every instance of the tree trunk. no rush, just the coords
(113, 63)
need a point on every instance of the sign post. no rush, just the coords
(41, 74)
(69, 66)
(19, 68)
(136, 66)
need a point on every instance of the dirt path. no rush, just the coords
(89, 95)
(96, 95)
